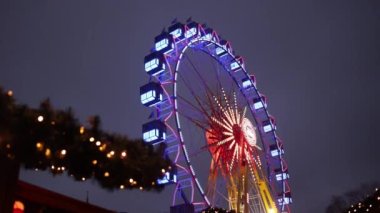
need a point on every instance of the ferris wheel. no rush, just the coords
(214, 124)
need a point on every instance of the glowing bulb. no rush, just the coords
(92, 139)
(163, 170)
(40, 118)
(39, 146)
(10, 93)
(106, 174)
(94, 162)
(81, 130)
(98, 143)
(121, 186)
(130, 180)
(63, 152)
(123, 154)
(83, 179)
(112, 152)
(63, 168)
(47, 152)
(52, 167)
(141, 188)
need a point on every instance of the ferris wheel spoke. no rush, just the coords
(198, 74)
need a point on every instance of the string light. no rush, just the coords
(10, 93)
(8, 146)
(92, 139)
(94, 162)
(121, 186)
(98, 143)
(130, 180)
(39, 146)
(47, 152)
(83, 178)
(163, 170)
(106, 174)
(141, 188)
(123, 154)
(102, 148)
(40, 118)
(63, 152)
(81, 130)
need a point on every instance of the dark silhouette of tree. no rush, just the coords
(341, 203)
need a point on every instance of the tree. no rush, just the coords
(54, 140)
(340, 204)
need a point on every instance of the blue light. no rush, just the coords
(151, 135)
(162, 44)
(207, 36)
(176, 33)
(247, 83)
(191, 32)
(281, 175)
(286, 199)
(275, 150)
(168, 178)
(220, 51)
(152, 64)
(234, 65)
(151, 94)
(268, 126)
(154, 132)
(148, 96)
(258, 105)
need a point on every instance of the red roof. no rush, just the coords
(37, 195)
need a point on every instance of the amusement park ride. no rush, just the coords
(211, 115)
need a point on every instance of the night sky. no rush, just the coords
(318, 62)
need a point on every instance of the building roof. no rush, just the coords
(37, 195)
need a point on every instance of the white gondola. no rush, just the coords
(281, 175)
(151, 94)
(154, 132)
(167, 178)
(177, 31)
(154, 63)
(275, 150)
(285, 199)
(164, 43)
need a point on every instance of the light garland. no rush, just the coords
(53, 139)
